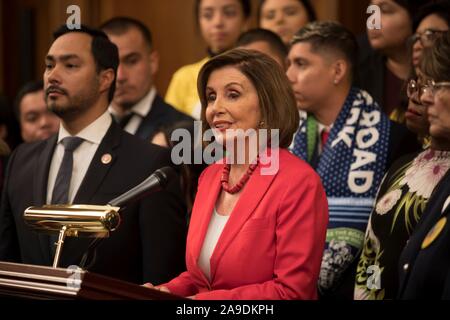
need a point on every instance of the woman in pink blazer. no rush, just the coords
(258, 224)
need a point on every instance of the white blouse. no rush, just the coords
(215, 228)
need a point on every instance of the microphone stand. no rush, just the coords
(91, 249)
(162, 176)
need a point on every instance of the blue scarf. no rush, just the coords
(351, 168)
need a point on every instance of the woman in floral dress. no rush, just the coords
(401, 200)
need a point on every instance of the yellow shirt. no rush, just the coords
(182, 90)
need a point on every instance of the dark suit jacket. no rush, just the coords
(149, 244)
(370, 73)
(402, 141)
(161, 115)
(427, 275)
(3, 163)
(370, 70)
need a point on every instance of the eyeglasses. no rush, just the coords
(430, 87)
(427, 37)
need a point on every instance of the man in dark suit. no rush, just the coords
(4, 152)
(137, 106)
(91, 161)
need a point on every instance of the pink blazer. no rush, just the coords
(272, 244)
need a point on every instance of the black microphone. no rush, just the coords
(156, 182)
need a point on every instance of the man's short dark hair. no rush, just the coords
(106, 54)
(120, 25)
(327, 37)
(271, 38)
(30, 87)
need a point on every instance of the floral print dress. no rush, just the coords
(401, 200)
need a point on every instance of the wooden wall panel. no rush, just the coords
(9, 24)
(175, 33)
(172, 23)
(327, 9)
(173, 29)
(353, 14)
(50, 14)
(1, 50)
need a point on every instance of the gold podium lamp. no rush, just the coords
(73, 221)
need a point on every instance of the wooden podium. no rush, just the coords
(38, 282)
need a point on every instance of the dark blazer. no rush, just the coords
(148, 246)
(370, 70)
(370, 73)
(3, 164)
(425, 272)
(402, 141)
(161, 115)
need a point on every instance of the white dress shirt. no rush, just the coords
(140, 110)
(197, 111)
(215, 229)
(82, 156)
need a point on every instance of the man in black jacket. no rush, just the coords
(137, 106)
(91, 161)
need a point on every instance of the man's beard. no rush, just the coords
(75, 105)
(125, 105)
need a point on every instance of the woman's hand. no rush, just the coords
(160, 288)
